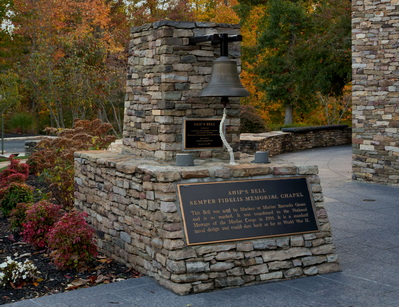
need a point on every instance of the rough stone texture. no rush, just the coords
(375, 96)
(294, 139)
(165, 77)
(139, 224)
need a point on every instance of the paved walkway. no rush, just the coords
(364, 220)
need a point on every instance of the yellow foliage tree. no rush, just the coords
(219, 11)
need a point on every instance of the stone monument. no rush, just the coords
(211, 225)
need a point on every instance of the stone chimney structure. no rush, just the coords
(165, 77)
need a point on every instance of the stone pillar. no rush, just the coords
(165, 77)
(375, 101)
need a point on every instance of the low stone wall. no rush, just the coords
(133, 204)
(294, 139)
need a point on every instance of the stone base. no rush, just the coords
(133, 204)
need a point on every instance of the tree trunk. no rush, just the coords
(288, 115)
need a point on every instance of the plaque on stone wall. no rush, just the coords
(238, 210)
(202, 134)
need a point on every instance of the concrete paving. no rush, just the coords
(16, 145)
(364, 220)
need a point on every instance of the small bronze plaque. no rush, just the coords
(202, 134)
(238, 210)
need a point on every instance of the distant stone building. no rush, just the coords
(375, 42)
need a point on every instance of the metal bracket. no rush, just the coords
(213, 38)
(222, 39)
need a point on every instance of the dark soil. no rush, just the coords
(102, 270)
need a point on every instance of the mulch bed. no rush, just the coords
(102, 270)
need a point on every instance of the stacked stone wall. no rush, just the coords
(375, 37)
(295, 139)
(133, 203)
(165, 77)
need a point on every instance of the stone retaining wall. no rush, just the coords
(133, 203)
(295, 139)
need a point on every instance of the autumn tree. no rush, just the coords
(251, 27)
(219, 11)
(11, 46)
(147, 11)
(73, 66)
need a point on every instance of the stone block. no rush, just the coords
(294, 252)
(294, 272)
(324, 249)
(177, 267)
(311, 270)
(228, 282)
(256, 269)
(221, 266)
(279, 265)
(197, 266)
(271, 276)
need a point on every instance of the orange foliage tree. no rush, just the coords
(70, 69)
(146, 11)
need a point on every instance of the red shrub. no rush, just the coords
(72, 241)
(40, 218)
(16, 172)
(16, 165)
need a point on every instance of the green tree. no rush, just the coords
(302, 51)
(327, 50)
(285, 25)
(9, 91)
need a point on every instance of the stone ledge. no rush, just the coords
(295, 139)
(314, 128)
(211, 168)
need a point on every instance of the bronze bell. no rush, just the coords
(225, 81)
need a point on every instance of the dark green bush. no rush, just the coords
(18, 215)
(21, 123)
(13, 194)
(251, 121)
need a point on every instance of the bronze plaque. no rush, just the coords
(238, 210)
(202, 134)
